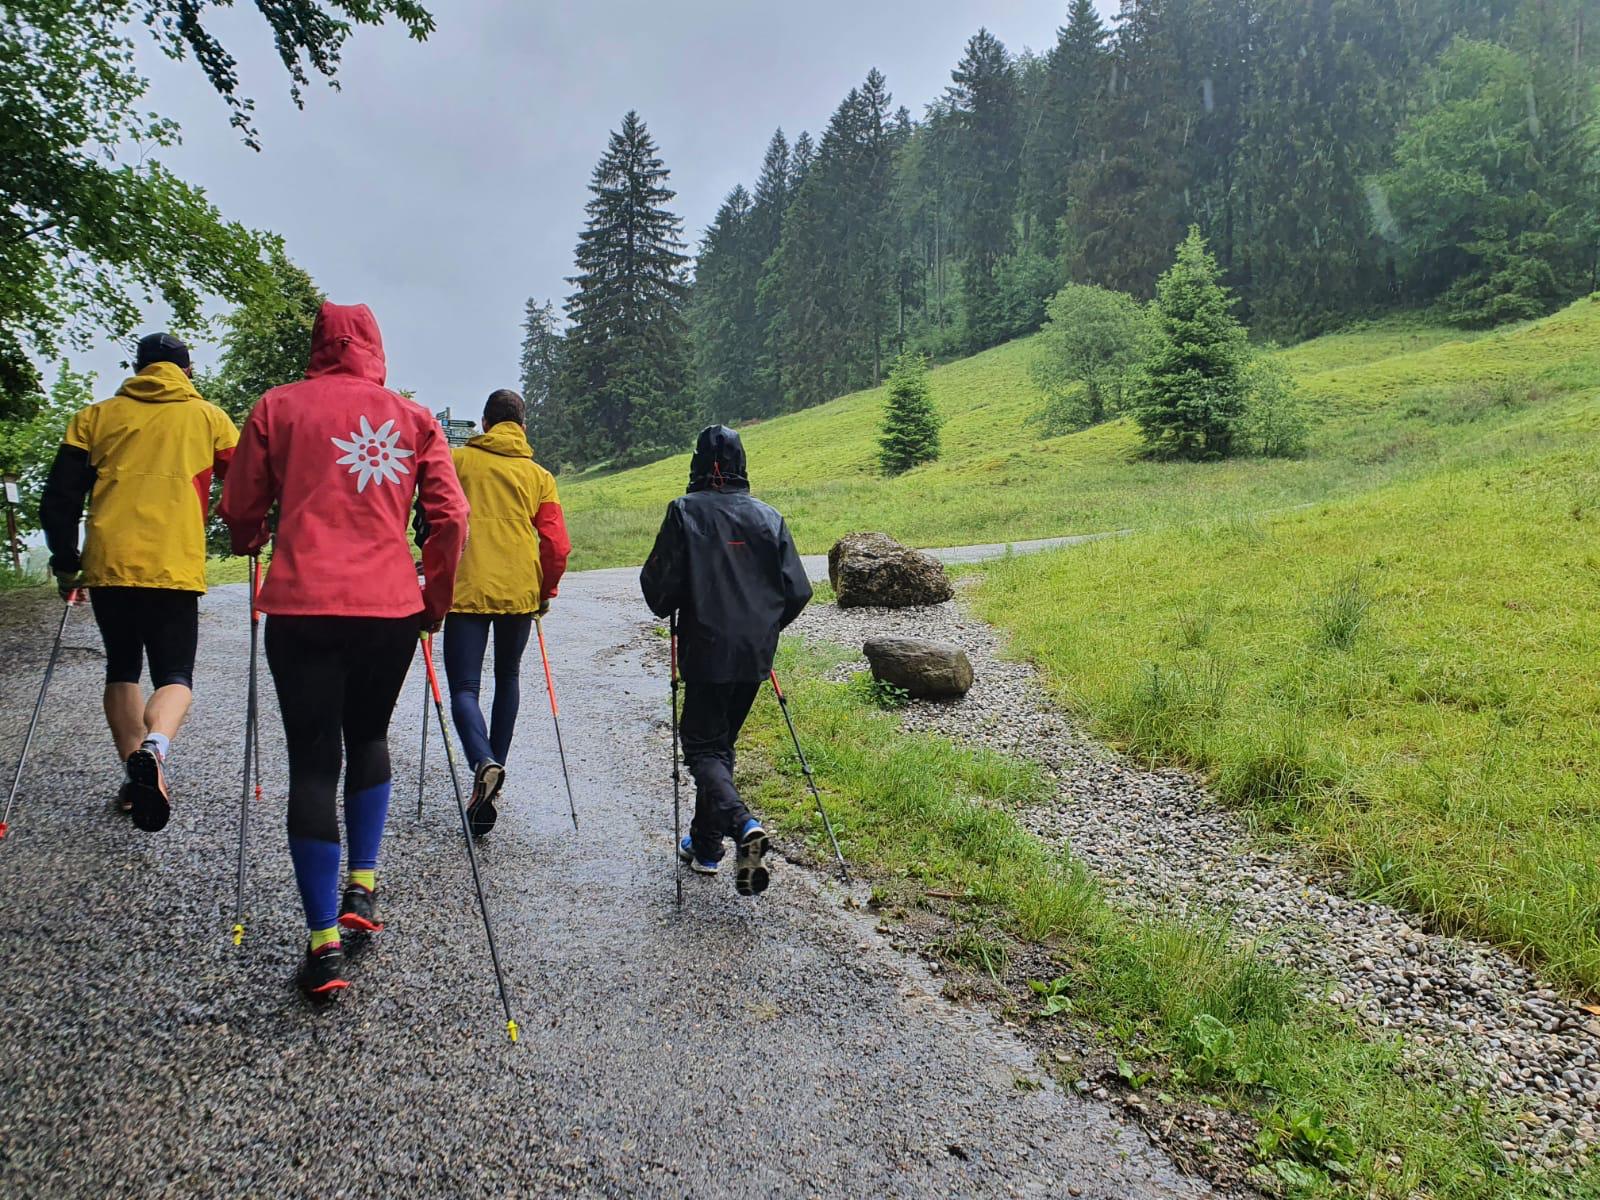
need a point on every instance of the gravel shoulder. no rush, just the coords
(733, 1049)
(1159, 843)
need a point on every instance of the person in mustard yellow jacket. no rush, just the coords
(144, 459)
(516, 552)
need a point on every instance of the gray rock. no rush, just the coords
(927, 670)
(872, 570)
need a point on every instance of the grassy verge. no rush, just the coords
(1337, 1113)
(1405, 680)
(1390, 398)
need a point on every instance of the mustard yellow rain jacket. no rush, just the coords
(145, 459)
(517, 543)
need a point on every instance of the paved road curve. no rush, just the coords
(730, 1050)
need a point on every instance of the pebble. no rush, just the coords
(1160, 843)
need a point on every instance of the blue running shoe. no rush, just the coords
(749, 872)
(699, 866)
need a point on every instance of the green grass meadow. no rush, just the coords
(1386, 650)
(1201, 1016)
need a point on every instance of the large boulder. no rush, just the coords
(928, 670)
(872, 570)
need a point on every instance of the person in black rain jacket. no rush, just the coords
(725, 564)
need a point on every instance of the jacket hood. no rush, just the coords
(507, 438)
(718, 463)
(159, 383)
(345, 341)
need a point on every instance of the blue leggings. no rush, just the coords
(466, 639)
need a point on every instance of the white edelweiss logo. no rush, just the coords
(373, 454)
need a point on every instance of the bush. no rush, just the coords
(910, 423)
(1092, 343)
(1275, 423)
(1193, 391)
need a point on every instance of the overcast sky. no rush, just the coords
(445, 183)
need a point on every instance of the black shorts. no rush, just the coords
(158, 622)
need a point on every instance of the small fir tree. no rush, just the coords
(910, 422)
(1194, 389)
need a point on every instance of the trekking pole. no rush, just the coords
(550, 684)
(422, 771)
(252, 755)
(677, 772)
(805, 768)
(73, 597)
(466, 832)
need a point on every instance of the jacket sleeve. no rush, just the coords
(70, 480)
(554, 544)
(666, 570)
(444, 511)
(249, 488)
(796, 587)
(225, 439)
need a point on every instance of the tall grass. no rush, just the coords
(1405, 680)
(914, 812)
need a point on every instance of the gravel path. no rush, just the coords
(730, 1050)
(1159, 843)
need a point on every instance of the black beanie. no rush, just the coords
(160, 347)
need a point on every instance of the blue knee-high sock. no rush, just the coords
(364, 814)
(316, 870)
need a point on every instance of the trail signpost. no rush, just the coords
(457, 433)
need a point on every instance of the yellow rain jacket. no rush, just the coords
(151, 449)
(517, 542)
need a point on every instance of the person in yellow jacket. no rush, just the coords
(517, 549)
(144, 459)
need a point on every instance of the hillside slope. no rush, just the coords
(1388, 396)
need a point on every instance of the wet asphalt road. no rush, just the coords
(777, 1048)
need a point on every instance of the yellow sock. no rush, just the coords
(322, 937)
(366, 879)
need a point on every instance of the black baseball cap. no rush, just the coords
(160, 347)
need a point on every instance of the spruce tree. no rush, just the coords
(1076, 75)
(774, 188)
(983, 110)
(910, 431)
(1192, 395)
(627, 369)
(722, 315)
(547, 416)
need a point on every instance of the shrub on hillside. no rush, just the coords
(1091, 345)
(910, 423)
(1192, 394)
(1275, 424)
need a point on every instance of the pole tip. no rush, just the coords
(511, 1028)
(3, 828)
(238, 934)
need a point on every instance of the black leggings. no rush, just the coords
(338, 679)
(158, 623)
(713, 714)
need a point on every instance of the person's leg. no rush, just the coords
(510, 640)
(170, 632)
(119, 631)
(708, 752)
(378, 656)
(750, 875)
(309, 674)
(466, 637)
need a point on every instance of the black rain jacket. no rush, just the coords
(725, 563)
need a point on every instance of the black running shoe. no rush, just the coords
(323, 972)
(487, 781)
(749, 872)
(147, 790)
(358, 911)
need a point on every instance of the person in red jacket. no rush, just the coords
(343, 457)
